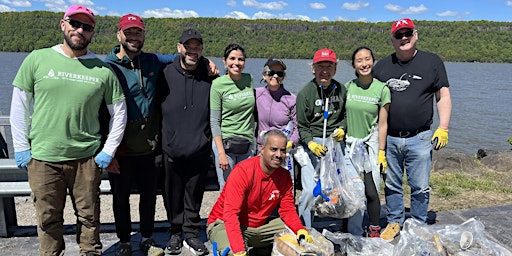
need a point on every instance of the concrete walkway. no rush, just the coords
(497, 221)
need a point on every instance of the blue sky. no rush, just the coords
(310, 10)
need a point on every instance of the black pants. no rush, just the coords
(139, 171)
(372, 199)
(184, 189)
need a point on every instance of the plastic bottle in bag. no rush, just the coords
(289, 160)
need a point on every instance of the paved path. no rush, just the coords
(497, 221)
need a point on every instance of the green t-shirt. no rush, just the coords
(235, 100)
(363, 104)
(67, 96)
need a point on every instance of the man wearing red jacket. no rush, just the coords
(255, 187)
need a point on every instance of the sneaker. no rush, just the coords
(195, 246)
(374, 231)
(124, 249)
(173, 246)
(391, 231)
(149, 247)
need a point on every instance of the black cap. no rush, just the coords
(273, 61)
(190, 34)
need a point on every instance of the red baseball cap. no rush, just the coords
(402, 23)
(325, 54)
(130, 21)
(76, 9)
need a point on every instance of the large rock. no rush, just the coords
(450, 160)
(499, 161)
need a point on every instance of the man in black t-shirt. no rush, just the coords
(414, 77)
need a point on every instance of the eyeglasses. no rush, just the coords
(77, 24)
(273, 72)
(401, 35)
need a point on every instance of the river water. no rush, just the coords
(481, 96)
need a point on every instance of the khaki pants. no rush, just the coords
(259, 239)
(49, 183)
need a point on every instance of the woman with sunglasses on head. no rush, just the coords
(367, 108)
(232, 113)
(276, 107)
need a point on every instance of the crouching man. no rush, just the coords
(241, 217)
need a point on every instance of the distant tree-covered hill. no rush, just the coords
(461, 41)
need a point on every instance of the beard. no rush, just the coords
(130, 49)
(187, 61)
(77, 46)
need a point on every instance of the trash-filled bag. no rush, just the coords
(417, 238)
(359, 246)
(339, 192)
(286, 244)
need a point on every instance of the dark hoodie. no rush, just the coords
(185, 103)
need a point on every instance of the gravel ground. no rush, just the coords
(26, 213)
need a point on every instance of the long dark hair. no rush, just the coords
(359, 49)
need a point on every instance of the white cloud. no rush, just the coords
(113, 13)
(82, 2)
(411, 10)
(17, 3)
(284, 16)
(324, 18)
(237, 15)
(415, 9)
(168, 13)
(342, 18)
(509, 3)
(231, 3)
(5, 8)
(393, 8)
(279, 5)
(447, 14)
(317, 6)
(355, 6)
(56, 6)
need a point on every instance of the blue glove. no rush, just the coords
(103, 160)
(23, 158)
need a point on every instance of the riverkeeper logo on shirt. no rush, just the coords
(239, 96)
(71, 77)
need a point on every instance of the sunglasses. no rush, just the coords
(401, 35)
(272, 73)
(77, 24)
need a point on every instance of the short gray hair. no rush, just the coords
(275, 132)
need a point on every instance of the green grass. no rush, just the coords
(452, 184)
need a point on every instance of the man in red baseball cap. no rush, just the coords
(414, 78)
(310, 118)
(134, 161)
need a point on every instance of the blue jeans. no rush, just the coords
(308, 181)
(414, 155)
(233, 159)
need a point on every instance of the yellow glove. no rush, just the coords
(289, 145)
(441, 135)
(303, 234)
(338, 134)
(317, 149)
(242, 253)
(381, 160)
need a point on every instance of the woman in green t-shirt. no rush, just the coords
(232, 113)
(367, 108)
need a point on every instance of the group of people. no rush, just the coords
(136, 113)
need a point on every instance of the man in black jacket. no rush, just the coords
(186, 140)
